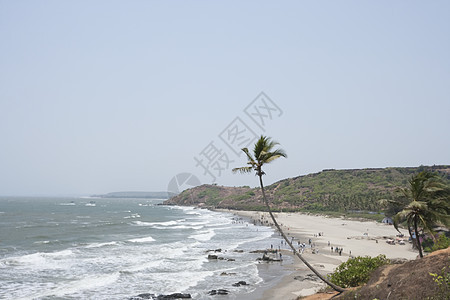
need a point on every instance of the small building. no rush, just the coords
(387, 220)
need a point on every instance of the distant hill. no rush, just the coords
(329, 190)
(146, 195)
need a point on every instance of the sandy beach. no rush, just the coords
(355, 238)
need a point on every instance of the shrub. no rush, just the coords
(356, 271)
(443, 282)
(442, 242)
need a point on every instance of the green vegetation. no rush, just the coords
(344, 190)
(243, 197)
(356, 271)
(443, 282)
(352, 193)
(425, 202)
(442, 242)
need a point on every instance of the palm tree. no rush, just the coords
(429, 204)
(264, 153)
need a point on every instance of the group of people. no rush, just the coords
(262, 220)
(337, 250)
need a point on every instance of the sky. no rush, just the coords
(105, 96)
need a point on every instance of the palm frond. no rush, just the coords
(250, 158)
(262, 154)
(242, 170)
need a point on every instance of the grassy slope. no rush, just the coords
(329, 191)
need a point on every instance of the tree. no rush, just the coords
(427, 204)
(264, 153)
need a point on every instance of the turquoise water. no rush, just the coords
(75, 248)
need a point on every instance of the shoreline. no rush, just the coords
(354, 237)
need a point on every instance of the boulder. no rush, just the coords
(161, 297)
(225, 274)
(218, 292)
(240, 283)
(174, 296)
(212, 256)
(268, 258)
(143, 296)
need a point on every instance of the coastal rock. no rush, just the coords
(143, 296)
(214, 250)
(161, 297)
(240, 283)
(213, 256)
(218, 292)
(264, 251)
(227, 274)
(174, 296)
(268, 258)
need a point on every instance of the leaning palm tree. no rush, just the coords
(264, 153)
(429, 205)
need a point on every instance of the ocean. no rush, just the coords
(81, 248)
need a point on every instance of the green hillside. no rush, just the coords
(327, 191)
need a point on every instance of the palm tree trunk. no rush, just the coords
(332, 285)
(411, 235)
(417, 237)
(414, 242)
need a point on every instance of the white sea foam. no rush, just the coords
(173, 250)
(42, 242)
(178, 227)
(58, 254)
(167, 223)
(142, 240)
(166, 256)
(38, 259)
(133, 216)
(76, 286)
(98, 245)
(203, 236)
(181, 281)
(140, 266)
(25, 260)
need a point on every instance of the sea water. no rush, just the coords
(74, 248)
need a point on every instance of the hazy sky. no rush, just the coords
(101, 96)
